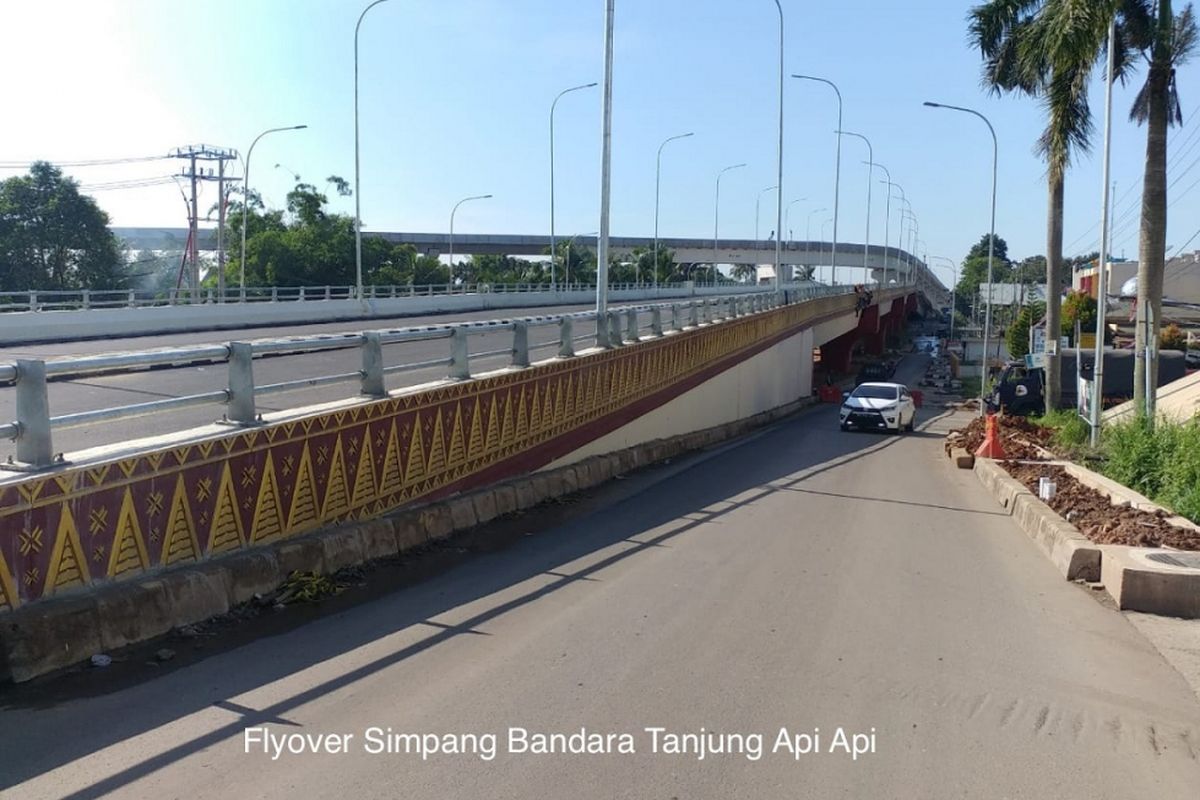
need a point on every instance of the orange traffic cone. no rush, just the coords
(991, 447)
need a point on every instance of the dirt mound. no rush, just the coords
(1097, 518)
(1019, 437)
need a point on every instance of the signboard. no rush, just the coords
(1087, 341)
(1051, 348)
(1084, 403)
(1035, 360)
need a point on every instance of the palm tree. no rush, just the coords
(1005, 32)
(1053, 44)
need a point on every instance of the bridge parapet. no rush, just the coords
(119, 518)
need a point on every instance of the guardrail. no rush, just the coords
(33, 428)
(83, 299)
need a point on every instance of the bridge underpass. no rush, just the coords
(799, 578)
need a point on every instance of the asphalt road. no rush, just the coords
(107, 391)
(801, 578)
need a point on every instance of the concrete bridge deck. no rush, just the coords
(800, 578)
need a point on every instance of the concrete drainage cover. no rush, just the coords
(1186, 560)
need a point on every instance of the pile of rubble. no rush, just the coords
(1020, 438)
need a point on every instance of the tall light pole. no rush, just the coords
(358, 272)
(454, 211)
(717, 217)
(823, 224)
(779, 163)
(887, 220)
(987, 319)
(553, 106)
(900, 227)
(246, 193)
(870, 183)
(657, 188)
(953, 290)
(602, 332)
(1102, 280)
(757, 203)
(837, 175)
(787, 216)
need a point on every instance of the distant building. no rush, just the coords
(1011, 294)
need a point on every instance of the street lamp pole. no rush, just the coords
(779, 163)
(757, 204)
(454, 211)
(837, 175)
(553, 106)
(1102, 278)
(953, 290)
(602, 333)
(657, 188)
(717, 218)
(358, 273)
(246, 193)
(787, 217)
(987, 323)
(870, 182)
(887, 220)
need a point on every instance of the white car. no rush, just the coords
(878, 407)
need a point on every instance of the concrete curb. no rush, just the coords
(1073, 554)
(60, 632)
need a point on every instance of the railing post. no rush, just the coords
(520, 351)
(602, 331)
(656, 321)
(241, 384)
(34, 445)
(460, 365)
(87, 299)
(274, 294)
(328, 292)
(133, 298)
(393, 294)
(300, 296)
(372, 365)
(33, 301)
(632, 333)
(693, 314)
(208, 297)
(566, 337)
(614, 329)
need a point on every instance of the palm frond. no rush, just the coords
(1140, 111)
(1183, 37)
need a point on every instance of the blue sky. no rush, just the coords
(455, 96)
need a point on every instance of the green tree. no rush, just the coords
(1056, 43)
(1078, 307)
(53, 237)
(1018, 333)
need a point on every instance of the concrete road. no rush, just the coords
(107, 391)
(801, 579)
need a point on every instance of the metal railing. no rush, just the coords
(33, 428)
(86, 299)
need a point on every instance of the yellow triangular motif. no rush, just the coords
(567, 399)
(493, 425)
(535, 412)
(364, 477)
(457, 453)
(8, 592)
(303, 512)
(548, 418)
(508, 428)
(226, 532)
(68, 565)
(437, 448)
(128, 549)
(268, 514)
(522, 418)
(475, 441)
(337, 495)
(179, 542)
(415, 465)
(391, 479)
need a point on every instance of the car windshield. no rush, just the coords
(876, 392)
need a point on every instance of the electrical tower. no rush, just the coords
(208, 154)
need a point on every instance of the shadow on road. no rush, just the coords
(670, 500)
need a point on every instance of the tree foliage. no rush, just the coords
(53, 237)
(1018, 333)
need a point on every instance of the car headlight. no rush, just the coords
(892, 407)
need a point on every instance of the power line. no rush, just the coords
(96, 162)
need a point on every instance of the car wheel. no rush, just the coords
(912, 423)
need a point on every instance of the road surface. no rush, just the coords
(798, 579)
(106, 391)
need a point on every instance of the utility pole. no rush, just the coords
(205, 153)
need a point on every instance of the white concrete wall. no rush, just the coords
(59, 326)
(773, 378)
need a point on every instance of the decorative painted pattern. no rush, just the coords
(116, 520)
